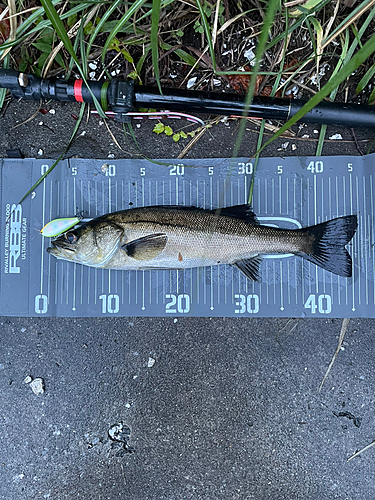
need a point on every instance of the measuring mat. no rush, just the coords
(288, 192)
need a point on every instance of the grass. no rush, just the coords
(165, 42)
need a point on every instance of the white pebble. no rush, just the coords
(40, 152)
(93, 65)
(150, 362)
(27, 379)
(250, 56)
(52, 111)
(37, 386)
(294, 147)
(191, 82)
(336, 137)
(305, 136)
(111, 155)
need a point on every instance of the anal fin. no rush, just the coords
(250, 267)
(146, 248)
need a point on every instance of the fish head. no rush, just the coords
(92, 243)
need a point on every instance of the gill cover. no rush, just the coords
(92, 243)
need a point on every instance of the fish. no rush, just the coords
(179, 237)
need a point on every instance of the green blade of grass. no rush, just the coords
(332, 84)
(190, 60)
(59, 27)
(323, 128)
(2, 90)
(345, 56)
(361, 9)
(132, 9)
(45, 23)
(61, 32)
(155, 14)
(298, 23)
(207, 32)
(102, 21)
(365, 79)
(142, 59)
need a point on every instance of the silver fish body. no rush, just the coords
(164, 237)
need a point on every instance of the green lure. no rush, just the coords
(58, 226)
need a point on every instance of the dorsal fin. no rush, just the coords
(242, 212)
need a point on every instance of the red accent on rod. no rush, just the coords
(78, 90)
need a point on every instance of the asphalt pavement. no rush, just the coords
(180, 408)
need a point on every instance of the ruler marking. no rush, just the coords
(211, 280)
(330, 217)
(67, 283)
(74, 286)
(61, 281)
(372, 233)
(325, 274)
(49, 257)
(143, 290)
(42, 239)
(56, 283)
(315, 201)
(281, 286)
(360, 241)
(88, 284)
(74, 263)
(67, 197)
(129, 281)
(266, 195)
(274, 281)
(337, 212)
(354, 240)
(287, 195)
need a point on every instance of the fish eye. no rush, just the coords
(71, 237)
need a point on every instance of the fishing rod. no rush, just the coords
(122, 98)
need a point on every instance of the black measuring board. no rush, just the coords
(288, 192)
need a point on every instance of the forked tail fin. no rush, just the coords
(325, 245)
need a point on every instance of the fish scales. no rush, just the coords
(170, 237)
(196, 234)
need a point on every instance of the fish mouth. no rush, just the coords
(58, 245)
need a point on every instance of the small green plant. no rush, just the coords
(160, 128)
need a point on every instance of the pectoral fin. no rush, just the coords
(250, 267)
(146, 248)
